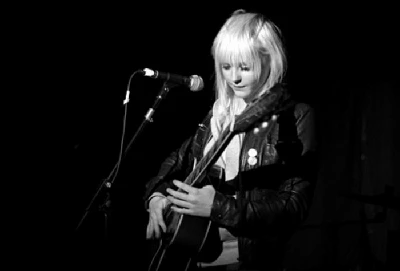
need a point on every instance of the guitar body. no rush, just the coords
(188, 239)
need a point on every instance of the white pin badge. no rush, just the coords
(252, 160)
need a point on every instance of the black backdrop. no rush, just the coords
(341, 60)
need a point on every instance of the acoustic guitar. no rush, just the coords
(189, 238)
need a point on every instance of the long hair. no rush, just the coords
(245, 38)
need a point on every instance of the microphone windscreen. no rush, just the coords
(196, 83)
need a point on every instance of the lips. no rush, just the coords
(232, 86)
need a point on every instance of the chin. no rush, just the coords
(242, 95)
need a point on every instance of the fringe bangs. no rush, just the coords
(235, 49)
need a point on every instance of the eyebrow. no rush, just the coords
(240, 64)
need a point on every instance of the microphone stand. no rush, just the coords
(148, 117)
(108, 182)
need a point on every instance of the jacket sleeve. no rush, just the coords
(179, 163)
(173, 167)
(284, 207)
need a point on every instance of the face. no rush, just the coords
(243, 80)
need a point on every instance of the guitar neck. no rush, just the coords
(210, 158)
(263, 106)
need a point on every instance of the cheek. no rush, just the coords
(249, 79)
(225, 74)
(254, 84)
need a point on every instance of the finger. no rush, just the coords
(157, 217)
(180, 203)
(149, 230)
(185, 187)
(156, 230)
(160, 221)
(163, 226)
(179, 195)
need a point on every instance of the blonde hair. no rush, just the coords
(245, 38)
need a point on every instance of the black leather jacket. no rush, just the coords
(273, 189)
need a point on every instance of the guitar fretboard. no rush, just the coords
(210, 157)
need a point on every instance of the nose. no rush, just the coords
(236, 77)
(237, 81)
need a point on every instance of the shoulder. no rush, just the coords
(295, 102)
(297, 111)
(301, 109)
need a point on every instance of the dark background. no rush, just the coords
(342, 60)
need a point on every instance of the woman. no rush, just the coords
(268, 166)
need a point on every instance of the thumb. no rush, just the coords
(209, 188)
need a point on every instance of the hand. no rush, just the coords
(156, 221)
(193, 201)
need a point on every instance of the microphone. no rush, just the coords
(194, 82)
